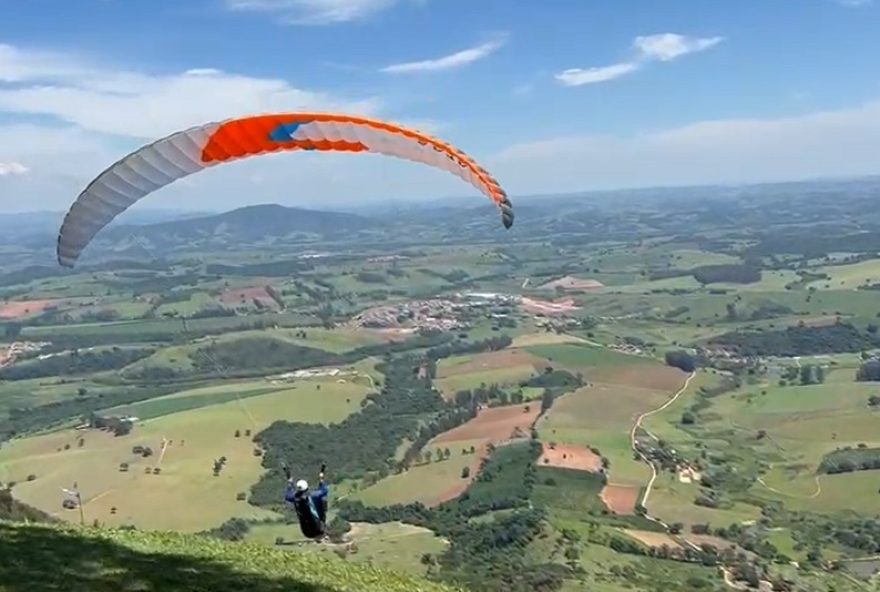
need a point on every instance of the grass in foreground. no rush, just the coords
(101, 560)
(392, 545)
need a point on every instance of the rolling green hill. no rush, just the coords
(244, 224)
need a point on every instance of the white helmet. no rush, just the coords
(302, 485)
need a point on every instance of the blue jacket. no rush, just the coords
(316, 496)
(311, 509)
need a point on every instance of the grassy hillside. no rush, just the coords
(103, 560)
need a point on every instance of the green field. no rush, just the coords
(424, 483)
(185, 496)
(848, 277)
(602, 416)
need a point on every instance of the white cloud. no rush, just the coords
(87, 120)
(12, 168)
(147, 105)
(663, 47)
(455, 60)
(669, 46)
(18, 66)
(831, 143)
(854, 3)
(314, 12)
(581, 76)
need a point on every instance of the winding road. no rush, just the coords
(632, 439)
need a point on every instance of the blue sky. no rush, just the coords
(549, 95)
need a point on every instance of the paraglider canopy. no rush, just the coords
(183, 153)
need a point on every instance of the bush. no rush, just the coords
(682, 360)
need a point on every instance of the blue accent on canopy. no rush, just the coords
(284, 132)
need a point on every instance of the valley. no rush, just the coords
(597, 399)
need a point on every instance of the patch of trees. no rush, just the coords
(258, 353)
(849, 459)
(770, 310)
(486, 556)
(118, 425)
(75, 362)
(144, 451)
(370, 277)
(798, 341)
(504, 481)
(682, 360)
(814, 531)
(158, 284)
(106, 315)
(555, 379)
(276, 296)
(711, 274)
(482, 395)
(23, 420)
(469, 347)
(281, 268)
(806, 277)
(869, 371)
(812, 244)
(362, 443)
(447, 420)
(212, 312)
(219, 464)
(806, 375)
(733, 274)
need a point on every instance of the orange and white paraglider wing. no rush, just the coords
(190, 151)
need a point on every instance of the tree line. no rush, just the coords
(799, 341)
(850, 459)
(75, 362)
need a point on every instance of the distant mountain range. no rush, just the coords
(247, 225)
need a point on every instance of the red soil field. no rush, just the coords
(565, 456)
(548, 308)
(21, 308)
(246, 296)
(495, 425)
(621, 499)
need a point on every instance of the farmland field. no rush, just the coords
(185, 495)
